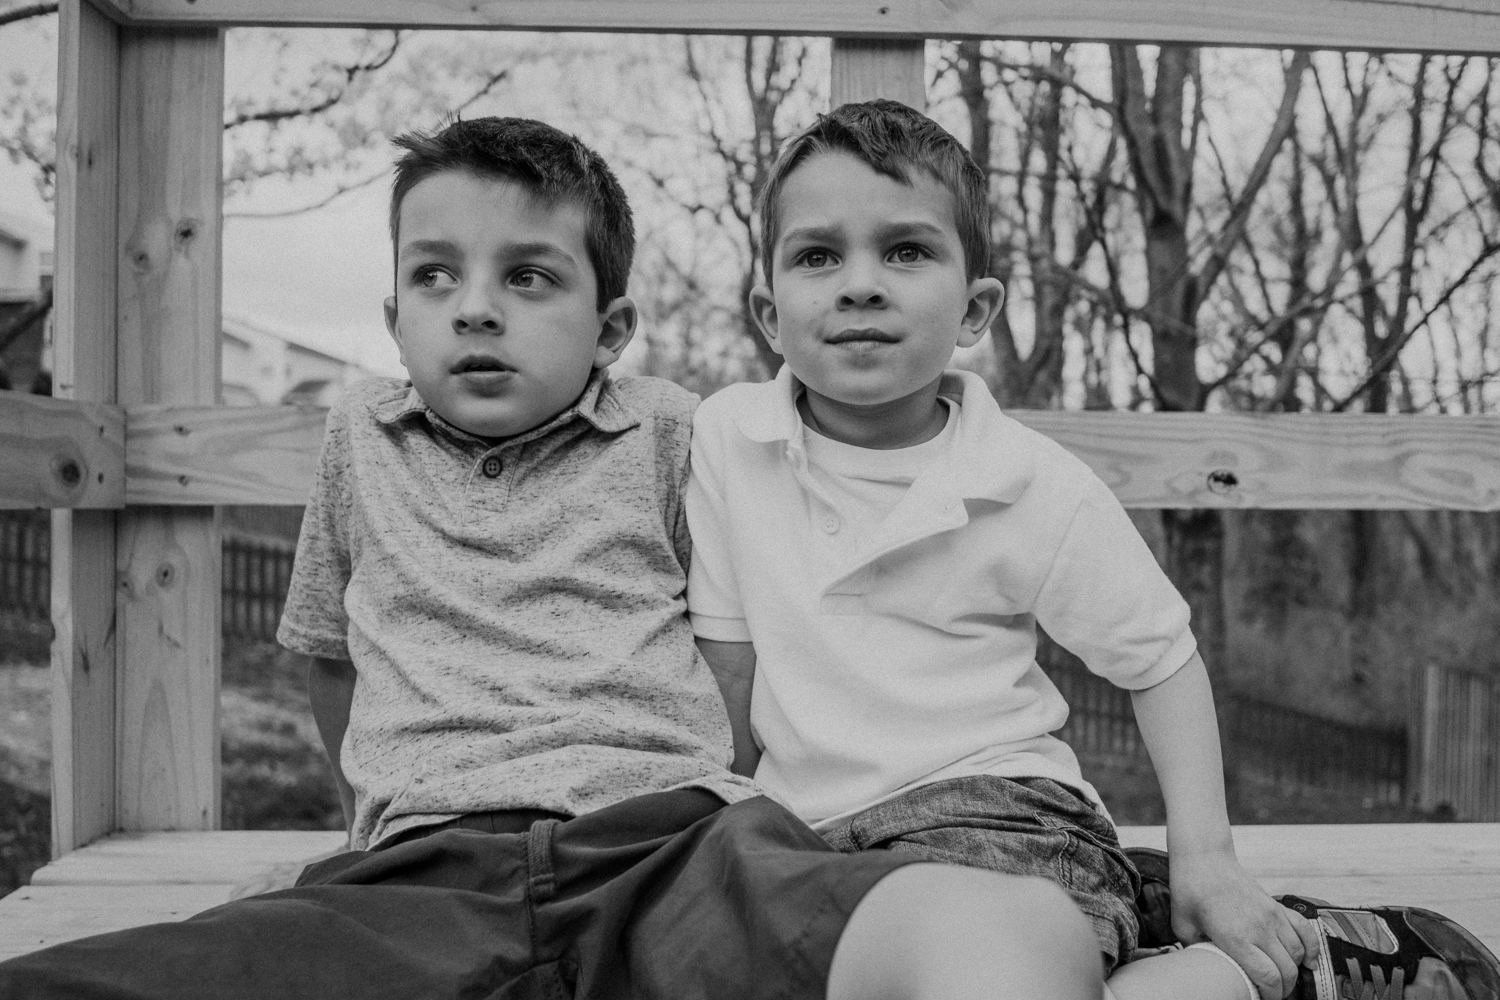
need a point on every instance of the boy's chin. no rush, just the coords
(487, 425)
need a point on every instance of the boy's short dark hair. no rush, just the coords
(893, 140)
(549, 163)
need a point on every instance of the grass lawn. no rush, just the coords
(274, 774)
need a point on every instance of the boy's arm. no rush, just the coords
(330, 689)
(733, 666)
(1213, 898)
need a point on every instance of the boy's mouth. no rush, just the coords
(478, 363)
(866, 335)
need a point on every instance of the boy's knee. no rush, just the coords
(943, 931)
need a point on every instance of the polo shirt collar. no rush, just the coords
(989, 459)
(600, 405)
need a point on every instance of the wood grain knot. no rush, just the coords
(187, 229)
(165, 574)
(68, 471)
(1222, 481)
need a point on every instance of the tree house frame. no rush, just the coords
(134, 452)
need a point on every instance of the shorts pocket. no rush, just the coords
(1092, 862)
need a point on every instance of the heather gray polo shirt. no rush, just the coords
(514, 609)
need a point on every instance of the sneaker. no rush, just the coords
(1393, 953)
(1153, 904)
(1368, 953)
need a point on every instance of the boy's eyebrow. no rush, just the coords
(812, 234)
(540, 248)
(428, 247)
(915, 227)
(886, 231)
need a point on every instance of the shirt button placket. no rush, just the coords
(492, 467)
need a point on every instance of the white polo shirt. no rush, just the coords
(907, 654)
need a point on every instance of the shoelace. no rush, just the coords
(1355, 987)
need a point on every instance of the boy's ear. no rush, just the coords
(392, 327)
(986, 296)
(616, 329)
(763, 308)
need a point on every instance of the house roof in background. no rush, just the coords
(245, 328)
(20, 230)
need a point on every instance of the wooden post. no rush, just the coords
(867, 68)
(171, 134)
(84, 645)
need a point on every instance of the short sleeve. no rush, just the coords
(714, 605)
(1106, 599)
(314, 621)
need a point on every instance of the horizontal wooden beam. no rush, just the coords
(61, 453)
(1286, 461)
(222, 454)
(202, 455)
(1433, 25)
(267, 454)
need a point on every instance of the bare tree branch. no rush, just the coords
(351, 73)
(29, 11)
(338, 193)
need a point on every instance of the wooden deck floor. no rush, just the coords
(132, 879)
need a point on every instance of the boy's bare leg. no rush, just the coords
(939, 932)
(1191, 974)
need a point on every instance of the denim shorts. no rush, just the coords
(1019, 826)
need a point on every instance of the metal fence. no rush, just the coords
(256, 573)
(1315, 752)
(1281, 743)
(25, 555)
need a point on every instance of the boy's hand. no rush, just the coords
(1214, 899)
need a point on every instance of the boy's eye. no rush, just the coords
(813, 258)
(529, 278)
(908, 253)
(432, 277)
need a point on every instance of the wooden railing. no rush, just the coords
(133, 453)
(70, 456)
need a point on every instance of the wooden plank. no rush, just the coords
(866, 68)
(1436, 25)
(223, 455)
(37, 917)
(171, 112)
(180, 858)
(1453, 868)
(1407, 849)
(1285, 461)
(1337, 461)
(61, 453)
(84, 650)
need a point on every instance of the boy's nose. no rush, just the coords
(862, 289)
(477, 313)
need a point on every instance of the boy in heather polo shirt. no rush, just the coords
(531, 753)
(875, 543)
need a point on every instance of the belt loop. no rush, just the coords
(542, 880)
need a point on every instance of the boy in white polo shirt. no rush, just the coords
(875, 543)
